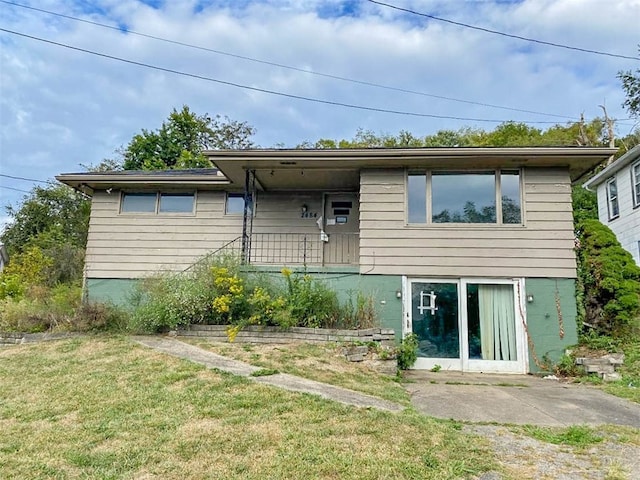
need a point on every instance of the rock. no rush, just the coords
(611, 377)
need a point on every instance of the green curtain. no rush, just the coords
(497, 322)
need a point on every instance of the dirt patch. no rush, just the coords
(527, 458)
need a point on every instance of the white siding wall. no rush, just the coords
(541, 248)
(136, 245)
(627, 225)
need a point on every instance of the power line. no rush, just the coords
(264, 90)
(496, 32)
(16, 189)
(23, 178)
(289, 67)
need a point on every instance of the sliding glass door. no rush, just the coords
(467, 324)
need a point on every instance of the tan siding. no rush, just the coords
(135, 245)
(543, 247)
(131, 246)
(281, 213)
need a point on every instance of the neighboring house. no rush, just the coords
(472, 249)
(618, 190)
(4, 256)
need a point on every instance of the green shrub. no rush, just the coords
(41, 309)
(93, 316)
(309, 302)
(220, 291)
(610, 279)
(407, 352)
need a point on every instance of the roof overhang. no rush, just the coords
(626, 159)
(89, 182)
(339, 169)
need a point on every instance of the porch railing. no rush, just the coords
(304, 249)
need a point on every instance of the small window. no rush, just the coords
(612, 199)
(138, 203)
(417, 198)
(176, 202)
(235, 204)
(635, 183)
(510, 191)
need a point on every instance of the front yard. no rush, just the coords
(104, 407)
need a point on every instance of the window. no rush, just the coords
(235, 204)
(157, 203)
(635, 183)
(417, 193)
(612, 199)
(176, 203)
(464, 197)
(138, 203)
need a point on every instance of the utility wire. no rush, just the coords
(23, 178)
(496, 32)
(289, 67)
(264, 90)
(16, 189)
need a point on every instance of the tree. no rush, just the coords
(47, 216)
(631, 86)
(182, 138)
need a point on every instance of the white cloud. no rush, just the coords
(60, 108)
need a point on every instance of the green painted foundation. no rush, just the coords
(544, 319)
(110, 290)
(347, 282)
(553, 309)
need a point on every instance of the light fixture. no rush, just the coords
(398, 294)
(304, 208)
(529, 298)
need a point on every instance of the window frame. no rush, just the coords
(634, 184)
(610, 200)
(497, 173)
(158, 196)
(226, 203)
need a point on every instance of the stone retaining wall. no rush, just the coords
(17, 338)
(258, 334)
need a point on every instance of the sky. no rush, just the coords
(61, 108)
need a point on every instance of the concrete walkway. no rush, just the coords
(176, 348)
(510, 399)
(516, 399)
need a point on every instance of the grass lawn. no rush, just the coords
(320, 362)
(104, 408)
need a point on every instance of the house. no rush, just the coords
(472, 249)
(618, 190)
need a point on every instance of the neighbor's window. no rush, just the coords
(138, 203)
(157, 203)
(176, 203)
(635, 183)
(235, 204)
(464, 197)
(612, 199)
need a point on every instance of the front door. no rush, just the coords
(341, 225)
(467, 324)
